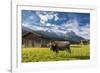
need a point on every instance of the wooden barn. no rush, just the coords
(34, 40)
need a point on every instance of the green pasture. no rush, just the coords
(45, 54)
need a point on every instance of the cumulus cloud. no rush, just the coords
(37, 28)
(56, 17)
(73, 25)
(31, 17)
(85, 31)
(48, 24)
(46, 16)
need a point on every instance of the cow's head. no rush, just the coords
(51, 43)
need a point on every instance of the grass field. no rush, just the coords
(45, 54)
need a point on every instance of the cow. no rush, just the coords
(56, 46)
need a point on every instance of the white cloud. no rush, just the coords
(32, 17)
(56, 17)
(38, 28)
(26, 25)
(85, 31)
(73, 25)
(46, 16)
(48, 24)
(49, 16)
(61, 30)
(42, 21)
(43, 17)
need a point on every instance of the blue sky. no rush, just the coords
(77, 22)
(57, 18)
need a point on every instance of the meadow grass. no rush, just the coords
(45, 54)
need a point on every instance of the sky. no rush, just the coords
(66, 21)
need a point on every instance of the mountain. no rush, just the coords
(54, 33)
(73, 37)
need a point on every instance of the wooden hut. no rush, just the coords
(34, 40)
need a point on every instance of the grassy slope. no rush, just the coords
(45, 54)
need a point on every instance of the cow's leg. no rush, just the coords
(69, 50)
(57, 52)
